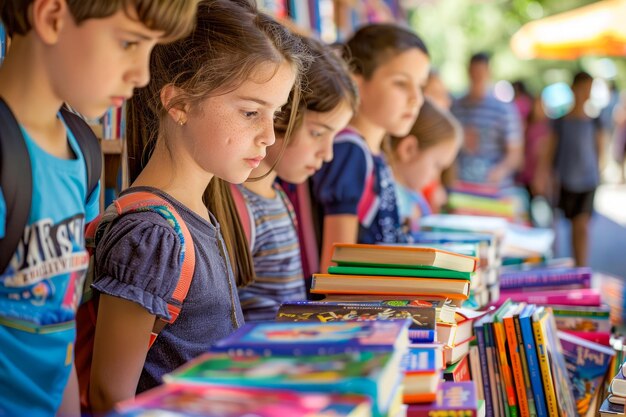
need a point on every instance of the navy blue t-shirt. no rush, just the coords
(357, 182)
(138, 260)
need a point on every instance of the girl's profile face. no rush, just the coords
(392, 97)
(311, 144)
(429, 163)
(228, 134)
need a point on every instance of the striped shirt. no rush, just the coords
(489, 126)
(276, 256)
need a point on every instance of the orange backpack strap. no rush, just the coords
(146, 201)
(244, 214)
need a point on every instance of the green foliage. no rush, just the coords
(455, 29)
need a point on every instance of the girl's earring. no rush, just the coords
(181, 121)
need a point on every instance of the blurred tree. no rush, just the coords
(455, 29)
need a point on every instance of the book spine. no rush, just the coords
(533, 366)
(494, 373)
(532, 411)
(516, 366)
(475, 371)
(581, 297)
(459, 373)
(525, 279)
(484, 370)
(507, 378)
(422, 336)
(546, 374)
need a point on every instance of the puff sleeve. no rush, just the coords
(138, 259)
(339, 184)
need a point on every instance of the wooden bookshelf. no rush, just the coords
(112, 146)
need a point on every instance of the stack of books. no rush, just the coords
(524, 369)
(400, 271)
(349, 363)
(613, 405)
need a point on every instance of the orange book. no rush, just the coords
(516, 363)
(384, 285)
(405, 256)
(498, 329)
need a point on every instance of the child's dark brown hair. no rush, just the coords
(374, 44)
(328, 84)
(173, 17)
(231, 39)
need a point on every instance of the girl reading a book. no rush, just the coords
(207, 112)
(420, 157)
(356, 190)
(327, 104)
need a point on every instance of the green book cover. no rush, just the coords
(389, 270)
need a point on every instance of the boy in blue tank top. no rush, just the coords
(90, 55)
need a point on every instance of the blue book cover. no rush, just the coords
(587, 365)
(421, 360)
(285, 338)
(525, 321)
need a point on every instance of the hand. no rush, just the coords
(541, 184)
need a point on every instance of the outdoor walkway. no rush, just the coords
(608, 232)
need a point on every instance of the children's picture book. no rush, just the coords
(453, 399)
(406, 256)
(176, 400)
(532, 361)
(284, 338)
(552, 361)
(582, 319)
(587, 365)
(459, 371)
(421, 330)
(386, 285)
(375, 374)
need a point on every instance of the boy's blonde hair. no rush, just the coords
(173, 17)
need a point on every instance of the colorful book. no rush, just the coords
(532, 357)
(385, 285)
(421, 330)
(526, 383)
(553, 369)
(515, 361)
(573, 297)
(345, 254)
(475, 371)
(460, 223)
(422, 374)
(399, 272)
(453, 399)
(374, 374)
(546, 277)
(587, 365)
(283, 338)
(501, 356)
(479, 331)
(446, 307)
(582, 319)
(219, 401)
(459, 371)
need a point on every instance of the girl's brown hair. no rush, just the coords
(433, 126)
(374, 44)
(328, 83)
(173, 17)
(231, 39)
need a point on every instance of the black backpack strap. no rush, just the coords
(89, 146)
(16, 181)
